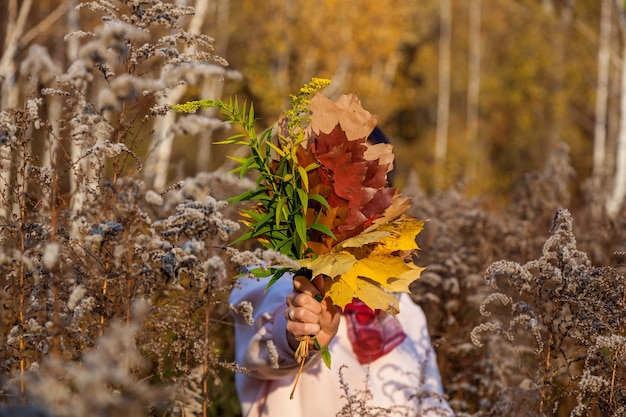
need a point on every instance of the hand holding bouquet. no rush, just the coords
(323, 199)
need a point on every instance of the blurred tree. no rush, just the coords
(216, 23)
(356, 44)
(536, 75)
(602, 92)
(523, 93)
(163, 138)
(561, 18)
(9, 88)
(473, 89)
(618, 193)
(443, 98)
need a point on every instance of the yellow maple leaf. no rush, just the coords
(371, 266)
(371, 294)
(330, 264)
(339, 291)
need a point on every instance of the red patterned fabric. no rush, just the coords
(372, 333)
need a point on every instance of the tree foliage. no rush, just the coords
(537, 74)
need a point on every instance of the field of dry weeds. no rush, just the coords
(114, 296)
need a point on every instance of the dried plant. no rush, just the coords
(86, 238)
(103, 383)
(461, 243)
(566, 320)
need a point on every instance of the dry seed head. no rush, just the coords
(246, 309)
(273, 353)
(490, 327)
(76, 296)
(51, 255)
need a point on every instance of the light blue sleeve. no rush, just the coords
(262, 348)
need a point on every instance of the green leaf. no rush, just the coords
(242, 238)
(276, 149)
(324, 229)
(277, 274)
(300, 223)
(262, 272)
(256, 216)
(286, 247)
(245, 196)
(303, 196)
(238, 160)
(312, 166)
(320, 199)
(304, 177)
(233, 140)
(263, 224)
(251, 115)
(280, 210)
(244, 167)
(325, 353)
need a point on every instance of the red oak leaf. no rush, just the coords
(352, 173)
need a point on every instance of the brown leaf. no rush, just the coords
(383, 152)
(346, 111)
(399, 206)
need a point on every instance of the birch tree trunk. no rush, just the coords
(9, 95)
(213, 87)
(548, 6)
(80, 177)
(443, 101)
(473, 88)
(54, 107)
(559, 92)
(157, 165)
(283, 74)
(602, 93)
(15, 28)
(616, 199)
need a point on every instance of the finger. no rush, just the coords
(290, 299)
(302, 329)
(298, 299)
(319, 283)
(307, 302)
(303, 285)
(302, 315)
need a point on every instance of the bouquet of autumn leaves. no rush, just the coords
(323, 198)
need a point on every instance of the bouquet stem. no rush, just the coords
(301, 354)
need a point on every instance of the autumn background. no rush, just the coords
(508, 123)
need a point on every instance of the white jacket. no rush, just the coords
(404, 382)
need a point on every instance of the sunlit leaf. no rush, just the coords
(304, 177)
(323, 228)
(300, 226)
(345, 111)
(276, 149)
(339, 291)
(371, 266)
(365, 238)
(373, 295)
(331, 264)
(319, 199)
(303, 198)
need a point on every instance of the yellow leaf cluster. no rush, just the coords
(371, 266)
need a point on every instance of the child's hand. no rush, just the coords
(309, 313)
